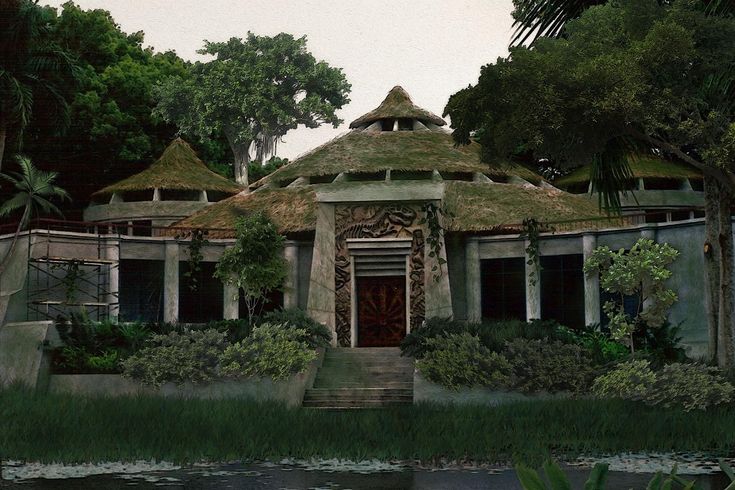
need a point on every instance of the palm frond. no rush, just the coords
(18, 201)
(537, 18)
(610, 175)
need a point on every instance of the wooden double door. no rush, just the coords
(381, 311)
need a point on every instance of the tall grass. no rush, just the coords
(60, 428)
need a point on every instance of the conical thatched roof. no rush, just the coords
(642, 167)
(179, 168)
(397, 104)
(366, 152)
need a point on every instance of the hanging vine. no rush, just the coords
(197, 241)
(531, 231)
(433, 215)
(71, 278)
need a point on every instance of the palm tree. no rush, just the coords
(32, 68)
(537, 18)
(34, 189)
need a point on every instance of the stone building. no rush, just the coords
(386, 225)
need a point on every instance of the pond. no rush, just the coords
(328, 475)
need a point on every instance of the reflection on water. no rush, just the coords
(270, 476)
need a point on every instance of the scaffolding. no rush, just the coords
(60, 285)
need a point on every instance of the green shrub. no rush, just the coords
(272, 350)
(602, 348)
(177, 357)
(317, 335)
(691, 386)
(630, 380)
(107, 362)
(460, 359)
(236, 330)
(549, 366)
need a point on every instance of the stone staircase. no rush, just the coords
(362, 378)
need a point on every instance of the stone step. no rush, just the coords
(357, 391)
(359, 404)
(328, 384)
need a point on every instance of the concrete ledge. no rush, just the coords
(425, 391)
(290, 391)
(23, 357)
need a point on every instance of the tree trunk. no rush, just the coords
(242, 160)
(726, 337)
(3, 137)
(711, 266)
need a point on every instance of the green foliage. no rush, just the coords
(272, 350)
(433, 215)
(316, 334)
(641, 272)
(257, 170)
(235, 330)
(532, 232)
(530, 479)
(600, 346)
(549, 366)
(197, 240)
(177, 357)
(255, 263)
(460, 359)
(252, 93)
(689, 386)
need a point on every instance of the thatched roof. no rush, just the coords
(642, 167)
(483, 207)
(291, 209)
(397, 104)
(366, 152)
(179, 168)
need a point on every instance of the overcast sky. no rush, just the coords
(430, 47)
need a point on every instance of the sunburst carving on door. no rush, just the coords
(381, 311)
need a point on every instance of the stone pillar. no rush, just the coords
(473, 280)
(437, 292)
(171, 283)
(291, 286)
(112, 253)
(533, 288)
(231, 302)
(321, 304)
(591, 284)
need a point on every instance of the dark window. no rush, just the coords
(141, 290)
(322, 179)
(562, 290)
(387, 124)
(142, 228)
(137, 196)
(504, 289)
(273, 301)
(679, 215)
(204, 303)
(662, 184)
(699, 213)
(630, 305)
(215, 196)
(464, 176)
(408, 175)
(655, 216)
(180, 195)
(365, 176)
(405, 124)
(697, 184)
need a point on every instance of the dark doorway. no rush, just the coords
(381, 311)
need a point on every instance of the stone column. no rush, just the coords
(112, 253)
(591, 284)
(321, 305)
(533, 288)
(473, 280)
(230, 302)
(171, 283)
(291, 286)
(437, 292)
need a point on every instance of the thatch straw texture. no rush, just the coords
(365, 152)
(179, 168)
(292, 210)
(478, 207)
(642, 167)
(397, 104)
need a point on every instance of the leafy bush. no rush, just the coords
(459, 359)
(492, 334)
(272, 350)
(177, 357)
(601, 347)
(236, 330)
(660, 344)
(317, 335)
(630, 380)
(549, 366)
(690, 386)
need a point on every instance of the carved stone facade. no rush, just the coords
(377, 221)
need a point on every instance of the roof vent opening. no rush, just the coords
(697, 184)
(180, 195)
(365, 177)
(463, 176)
(661, 184)
(322, 179)
(138, 196)
(410, 175)
(405, 124)
(388, 124)
(215, 196)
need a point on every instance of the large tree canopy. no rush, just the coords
(624, 74)
(252, 93)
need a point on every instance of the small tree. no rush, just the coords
(641, 272)
(255, 264)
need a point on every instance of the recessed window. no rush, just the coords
(699, 213)
(503, 289)
(655, 216)
(180, 195)
(202, 303)
(141, 290)
(498, 178)
(287, 182)
(138, 196)
(464, 176)
(387, 124)
(679, 215)
(365, 177)
(408, 175)
(215, 196)
(659, 184)
(697, 184)
(405, 124)
(143, 228)
(322, 179)
(562, 289)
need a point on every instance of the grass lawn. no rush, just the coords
(60, 428)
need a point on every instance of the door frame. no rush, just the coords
(353, 285)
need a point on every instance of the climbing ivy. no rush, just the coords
(531, 231)
(197, 241)
(70, 279)
(434, 239)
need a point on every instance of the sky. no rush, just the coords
(432, 48)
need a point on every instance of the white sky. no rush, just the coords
(430, 47)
